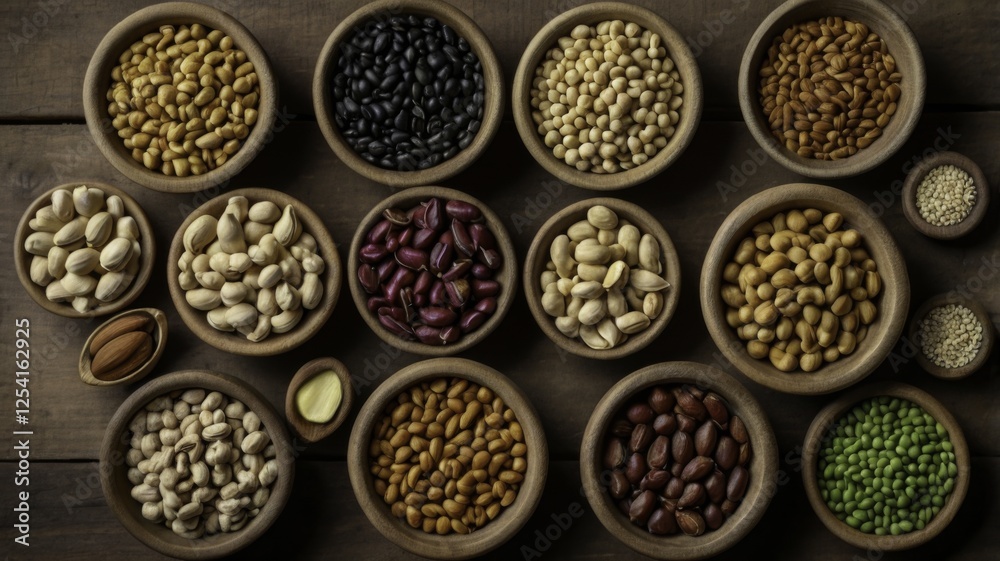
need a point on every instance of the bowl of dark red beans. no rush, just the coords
(408, 92)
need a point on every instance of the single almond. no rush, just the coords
(138, 358)
(119, 327)
(118, 351)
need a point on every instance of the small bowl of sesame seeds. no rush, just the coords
(946, 196)
(953, 336)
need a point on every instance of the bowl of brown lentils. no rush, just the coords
(607, 95)
(678, 461)
(180, 97)
(804, 290)
(448, 458)
(832, 90)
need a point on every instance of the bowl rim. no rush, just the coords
(507, 275)
(764, 462)
(493, 104)
(916, 177)
(679, 52)
(825, 420)
(147, 242)
(131, 29)
(874, 12)
(113, 466)
(534, 262)
(893, 301)
(160, 330)
(452, 546)
(986, 347)
(275, 343)
(308, 431)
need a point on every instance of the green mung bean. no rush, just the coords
(887, 467)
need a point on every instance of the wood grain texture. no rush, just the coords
(66, 36)
(71, 521)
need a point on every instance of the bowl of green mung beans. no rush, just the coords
(885, 466)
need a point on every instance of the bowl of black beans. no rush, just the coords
(408, 92)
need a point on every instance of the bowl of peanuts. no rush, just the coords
(832, 90)
(804, 290)
(180, 97)
(607, 96)
(448, 458)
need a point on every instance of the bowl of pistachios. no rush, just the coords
(180, 97)
(84, 249)
(254, 272)
(804, 290)
(196, 464)
(602, 278)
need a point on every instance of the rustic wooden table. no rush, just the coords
(44, 142)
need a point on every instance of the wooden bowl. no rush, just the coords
(147, 241)
(590, 14)
(159, 334)
(307, 431)
(827, 418)
(538, 255)
(985, 349)
(916, 177)
(494, 91)
(881, 19)
(506, 275)
(131, 29)
(117, 488)
(274, 344)
(893, 301)
(451, 546)
(762, 468)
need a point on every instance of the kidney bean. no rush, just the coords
(693, 495)
(485, 288)
(392, 242)
(642, 437)
(665, 424)
(451, 334)
(686, 423)
(417, 215)
(642, 507)
(386, 269)
(419, 300)
(373, 253)
(405, 237)
(713, 516)
(398, 327)
(376, 302)
(378, 233)
(662, 522)
(659, 452)
(423, 283)
(480, 271)
(487, 305)
(622, 428)
(406, 302)
(402, 277)
(461, 210)
(737, 485)
(458, 291)
(433, 215)
(428, 335)
(459, 269)
(441, 257)
(636, 468)
(705, 438)
(619, 485)
(471, 320)
(437, 295)
(368, 277)
(482, 236)
(412, 258)
(656, 479)
(661, 400)
(614, 454)
(682, 448)
(715, 486)
(437, 317)
(463, 242)
(490, 257)
(674, 488)
(727, 453)
(424, 238)
(639, 413)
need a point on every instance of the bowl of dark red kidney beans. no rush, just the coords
(408, 93)
(432, 270)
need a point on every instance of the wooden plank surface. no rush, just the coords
(722, 167)
(59, 34)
